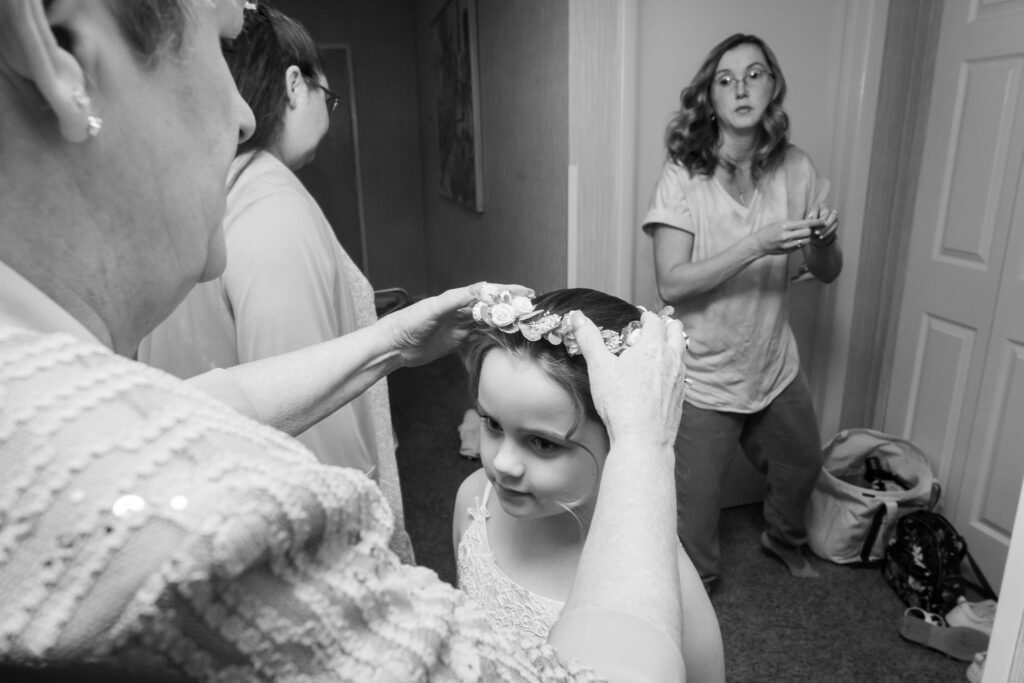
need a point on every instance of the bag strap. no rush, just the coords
(872, 536)
(984, 588)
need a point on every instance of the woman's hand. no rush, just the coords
(638, 394)
(824, 234)
(785, 236)
(433, 327)
(824, 259)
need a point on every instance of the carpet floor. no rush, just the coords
(840, 628)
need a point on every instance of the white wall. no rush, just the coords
(829, 51)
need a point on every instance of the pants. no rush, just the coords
(781, 441)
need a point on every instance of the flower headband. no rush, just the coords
(511, 313)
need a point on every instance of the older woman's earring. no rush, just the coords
(93, 125)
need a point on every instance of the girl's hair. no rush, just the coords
(269, 43)
(569, 372)
(692, 137)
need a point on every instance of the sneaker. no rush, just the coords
(976, 671)
(930, 630)
(976, 615)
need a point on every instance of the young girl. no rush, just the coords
(522, 519)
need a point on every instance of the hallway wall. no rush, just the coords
(382, 38)
(523, 68)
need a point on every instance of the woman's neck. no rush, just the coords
(737, 151)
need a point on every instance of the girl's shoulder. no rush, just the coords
(470, 491)
(473, 485)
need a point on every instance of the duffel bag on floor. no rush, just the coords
(868, 480)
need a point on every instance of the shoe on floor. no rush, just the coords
(930, 630)
(977, 615)
(976, 671)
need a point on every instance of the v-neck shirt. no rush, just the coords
(742, 352)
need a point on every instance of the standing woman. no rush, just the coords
(288, 283)
(735, 202)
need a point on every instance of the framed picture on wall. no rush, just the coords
(458, 104)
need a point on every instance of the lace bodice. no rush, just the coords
(508, 605)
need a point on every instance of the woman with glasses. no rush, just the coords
(289, 283)
(735, 204)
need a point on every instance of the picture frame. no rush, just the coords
(458, 104)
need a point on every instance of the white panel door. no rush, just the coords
(958, 381)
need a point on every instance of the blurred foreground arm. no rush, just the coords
(623, 616)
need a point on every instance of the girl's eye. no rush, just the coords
(755, 75)
(543, 445)
(490, 423)
(725, 81)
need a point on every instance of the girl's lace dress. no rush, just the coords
(508, 605)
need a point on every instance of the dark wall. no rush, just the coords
(381, 35)
(521, 236)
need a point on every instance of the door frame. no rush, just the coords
(602, 106)
(909, 59)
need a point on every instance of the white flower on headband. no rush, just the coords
(503, 315)
(513, 313)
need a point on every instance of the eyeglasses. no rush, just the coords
(332, 98)
(755, 79)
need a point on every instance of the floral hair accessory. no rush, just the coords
(512, 313)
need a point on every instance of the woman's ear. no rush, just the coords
(293, 80)
(30, 49)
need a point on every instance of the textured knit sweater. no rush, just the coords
(146, 524)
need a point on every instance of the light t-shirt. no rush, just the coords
(742, 352)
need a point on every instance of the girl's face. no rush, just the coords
(526, 453)
(742, 88)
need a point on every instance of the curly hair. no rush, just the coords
(569, 372)
(258, 57)
(692, 137)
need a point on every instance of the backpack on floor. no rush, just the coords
(923, 563)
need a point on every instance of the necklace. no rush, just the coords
(732, 176)
(742, 192)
